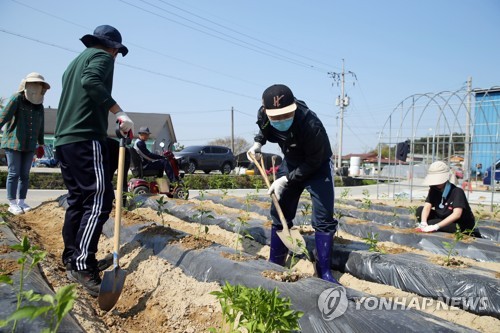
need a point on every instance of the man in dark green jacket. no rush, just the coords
(82, 149)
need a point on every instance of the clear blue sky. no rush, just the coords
(197, 59)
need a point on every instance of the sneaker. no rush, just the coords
(24, 207)
(15, 209)
(90, 280)
(102, 264)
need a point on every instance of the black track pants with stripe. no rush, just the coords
(85, 170)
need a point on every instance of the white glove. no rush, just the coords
(422, 225)
(126, 124)
(278, 186)
(430, 228)
(253, 150)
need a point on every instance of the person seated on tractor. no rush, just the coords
(151, 161)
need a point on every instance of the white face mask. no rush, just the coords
(34, 92)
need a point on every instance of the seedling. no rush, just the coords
(372, 240)
(224, 192)
(247, 309)
(344, 195)
(131, 200)
(294, 259)
(450, 246)
(239, 237)
(58, 306)
(201, 216)
(367, 203)
(161, 209)
(305, 213)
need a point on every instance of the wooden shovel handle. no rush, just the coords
(273, 196)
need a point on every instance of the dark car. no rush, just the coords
(206, 158)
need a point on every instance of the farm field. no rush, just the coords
(178, 251)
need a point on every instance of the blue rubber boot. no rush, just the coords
(324, 245)
(278, 250)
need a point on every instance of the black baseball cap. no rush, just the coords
(278, 99)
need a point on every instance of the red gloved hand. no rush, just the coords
(40, 152)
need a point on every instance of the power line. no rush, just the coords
(236, 41)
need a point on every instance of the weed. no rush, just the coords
(256, 310)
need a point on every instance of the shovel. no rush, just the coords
(113, 280)
(291, 238)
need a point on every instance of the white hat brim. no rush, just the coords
(278, 112)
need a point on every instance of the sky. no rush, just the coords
(198, 60)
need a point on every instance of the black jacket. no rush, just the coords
(305, 145)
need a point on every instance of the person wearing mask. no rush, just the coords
(306, 165)
(446, 205)
(22, 120)
(82, 149)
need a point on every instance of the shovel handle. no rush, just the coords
(273, 196)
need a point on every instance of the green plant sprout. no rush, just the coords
(132, 203)
(201, 216)
(224, 192)
(239, 237)
(202, 194)
(58, 306)
(161, 209)
(305, 213)
(372, 241)
(367, 203)
(344, 195)
(450, 246)
(258, 184)
(293, 258)
(247, 309)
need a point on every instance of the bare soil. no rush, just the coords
(159, 297)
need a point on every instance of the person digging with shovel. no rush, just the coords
(307, 165)
(82, 149)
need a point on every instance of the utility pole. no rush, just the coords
(232, 129)
(342, 101)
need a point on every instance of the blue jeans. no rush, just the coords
(18, 178)
(321, 187)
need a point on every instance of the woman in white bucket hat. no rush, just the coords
(22, 121)
(446, 205)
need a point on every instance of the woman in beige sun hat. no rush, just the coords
(22, 120)
(446, 205)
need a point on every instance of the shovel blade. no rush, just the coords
(111, 288)
(293, 240)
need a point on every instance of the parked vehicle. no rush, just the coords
(488, 175)
(206, 158)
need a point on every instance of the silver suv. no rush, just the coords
(206, 158)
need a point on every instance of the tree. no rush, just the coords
(240, 145)
(1, 102)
